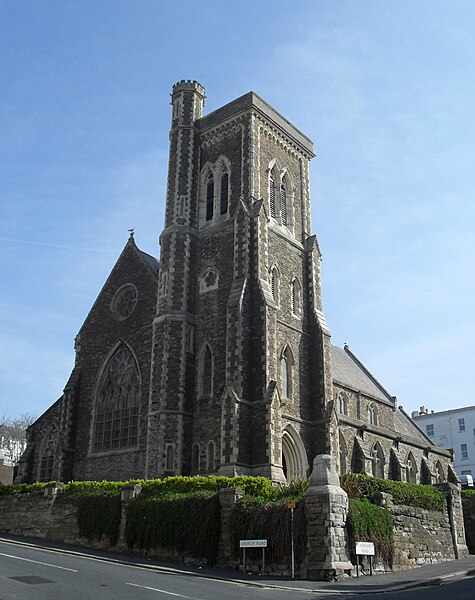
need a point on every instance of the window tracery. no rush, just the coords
(117, 404)
(47, 458)
(124, 302)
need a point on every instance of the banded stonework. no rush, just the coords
(218, 358)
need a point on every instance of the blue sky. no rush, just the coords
(385, 90)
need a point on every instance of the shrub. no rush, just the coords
(271, 522)
(99, 515)
(369, 523)
(189, 523)
(22, 488)
(410, 494)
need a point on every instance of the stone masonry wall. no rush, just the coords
(421, 536)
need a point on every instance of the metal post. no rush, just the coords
(244, 560)
(263, 561)
(357, 565)
(292, 540)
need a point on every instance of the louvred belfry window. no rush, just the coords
(272, 196)
(224, 200)
(283, 205)
(210, 199)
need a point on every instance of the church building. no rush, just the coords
(217, 359)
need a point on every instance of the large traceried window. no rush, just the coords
(117, 404)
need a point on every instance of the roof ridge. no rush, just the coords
(355, 359)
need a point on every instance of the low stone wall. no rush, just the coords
(36, 515)
(421, 536)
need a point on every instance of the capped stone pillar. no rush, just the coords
(326, 508)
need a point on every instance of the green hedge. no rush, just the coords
(369, 523)
(252, 486)
(270, 522)
(410, 494)
(99, 515)
(22, 488)
(189, 523)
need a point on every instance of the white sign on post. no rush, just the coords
(365, 548)
(253, 543)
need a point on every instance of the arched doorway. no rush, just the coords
(294, 456)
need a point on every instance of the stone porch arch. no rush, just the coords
(294, 455)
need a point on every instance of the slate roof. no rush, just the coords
(151, 262)
(349, 371)
(406, 426)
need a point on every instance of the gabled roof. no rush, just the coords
(406, 426)
(349, 371)
(152, 263)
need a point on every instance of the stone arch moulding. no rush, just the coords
(98, 385)
(294, 455)
(47, 459)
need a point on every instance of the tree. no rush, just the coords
(13, 435)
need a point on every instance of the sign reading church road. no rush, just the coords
(253, 543)
(365, 548)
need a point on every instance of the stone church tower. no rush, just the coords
(217, 359)
(239, 338)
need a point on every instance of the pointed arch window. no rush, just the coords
(195, 458)
(411, 469)
(207, 371)
(439, 472)
(169, 463)
(286, 362)
(47, 458)
(342, 404)
(210, 454)
(272, 195)
(224, 193)
(210, 198)
(377, 456)
(117, 404)
(295, 297)
(274, 284)
(283, 204)
(372, 415)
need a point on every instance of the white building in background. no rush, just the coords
(454, 429)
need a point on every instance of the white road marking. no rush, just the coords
(38, 562)
(145, 587)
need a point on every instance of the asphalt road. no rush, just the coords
(28, 573)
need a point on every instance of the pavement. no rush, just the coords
(427, 575)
